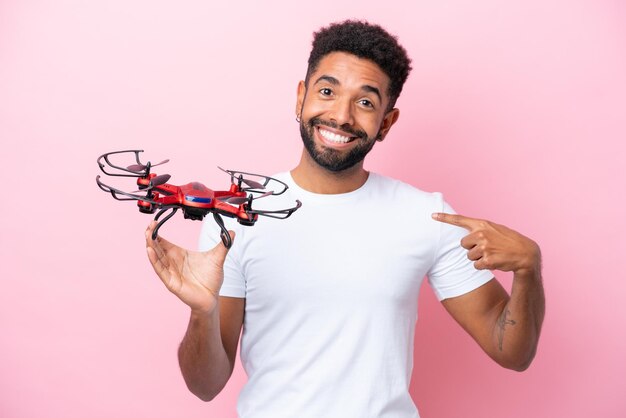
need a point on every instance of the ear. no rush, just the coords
(300, 97)
(390, 118)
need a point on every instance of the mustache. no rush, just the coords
(354, 132)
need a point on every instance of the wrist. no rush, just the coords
(204, 313)
(527, 274)
(531, 268)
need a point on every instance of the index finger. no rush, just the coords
(457, 220)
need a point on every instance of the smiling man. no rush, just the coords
(344, 116)
(327, 299)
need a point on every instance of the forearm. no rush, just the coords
(517, 328)
(203, 360)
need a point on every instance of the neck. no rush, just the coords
(316, 179)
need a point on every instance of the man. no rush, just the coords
(328, 298)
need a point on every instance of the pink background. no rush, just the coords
(515, 110)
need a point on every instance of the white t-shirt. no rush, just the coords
(331, 297)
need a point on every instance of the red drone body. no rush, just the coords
(195, 199)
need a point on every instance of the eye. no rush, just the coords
(326, 91)
(366, 103)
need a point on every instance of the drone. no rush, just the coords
(194, 199)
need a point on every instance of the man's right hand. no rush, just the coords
(195, 277)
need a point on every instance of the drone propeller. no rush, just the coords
(159, 180)
(250, 183)
(141, 167)
(133, 170)
(154, 182)
(237, 200)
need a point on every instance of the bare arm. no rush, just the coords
(207, 353)
(506, 327)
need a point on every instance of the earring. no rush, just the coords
(298, 118)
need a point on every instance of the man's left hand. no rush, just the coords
(495, 247)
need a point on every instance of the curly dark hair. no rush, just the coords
(365, 40)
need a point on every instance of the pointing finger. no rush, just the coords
(457, 220)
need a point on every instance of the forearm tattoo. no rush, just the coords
(503, 321)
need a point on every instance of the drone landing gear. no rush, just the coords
(224, 235)
(156, 218)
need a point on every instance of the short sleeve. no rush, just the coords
(234, 282)
(452, 273)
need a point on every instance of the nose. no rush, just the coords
(341, 112)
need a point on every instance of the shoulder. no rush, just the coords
(398, 190)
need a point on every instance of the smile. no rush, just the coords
(334, 137)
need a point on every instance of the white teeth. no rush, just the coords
(333, 137)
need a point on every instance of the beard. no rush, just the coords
(332, 159)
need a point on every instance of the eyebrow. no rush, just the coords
(366, 87)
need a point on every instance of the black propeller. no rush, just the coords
(159, 180)
(156, 181)
(250, 183)
(237, 200)
(140, 167)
